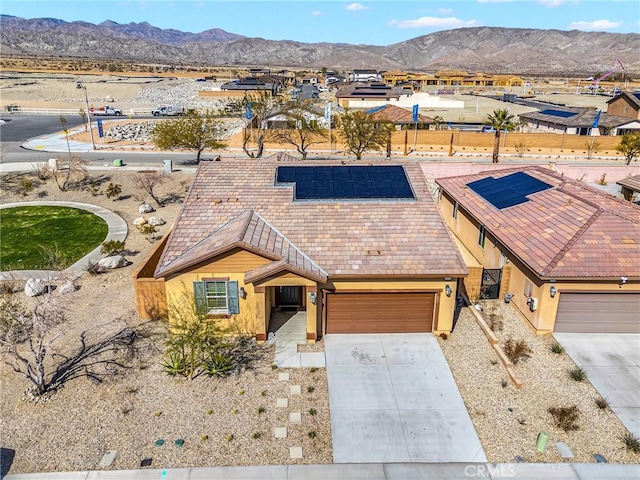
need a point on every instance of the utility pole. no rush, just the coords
(86, 99)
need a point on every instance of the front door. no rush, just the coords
(289, 296)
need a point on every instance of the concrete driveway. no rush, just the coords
(393, 399)
(612, 363)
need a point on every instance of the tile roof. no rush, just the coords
(399, 116)
(633, 98)
(583, 117)
(253, 233)
(571, 230)
(632, 183)
(336, 236)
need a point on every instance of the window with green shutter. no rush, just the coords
(216, 297)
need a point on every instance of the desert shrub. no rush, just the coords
(565, 418)
(111, 247)
(631, 442)
(114, 190)
(26, 186)
(557, 348)
(521, 148)
(602, 403)
(218, 365)
(174, 364)
(578, 374)
(516, 350)
(495, 323)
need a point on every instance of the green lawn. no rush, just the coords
(25, 230)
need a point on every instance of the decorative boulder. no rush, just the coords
(34, 287)
(67, 287)
(139, 221)
(145, 208)
(115, 261)
(156, 221)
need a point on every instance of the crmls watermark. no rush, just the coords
(490, 471)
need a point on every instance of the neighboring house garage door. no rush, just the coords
(380, 312)
(598, 313)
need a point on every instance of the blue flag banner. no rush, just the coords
(248, 114)
(100, 130)
(415, 113)
(596, 121)
(327, 112)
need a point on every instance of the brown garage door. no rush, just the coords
(379, 312)
(598, 313)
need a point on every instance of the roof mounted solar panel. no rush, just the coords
(286, 175)
(558, 113)
(347, 182)
(509, 190)
(523, 183)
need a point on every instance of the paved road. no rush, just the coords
(393, 399)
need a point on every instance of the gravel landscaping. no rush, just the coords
(133, 407)
(509, 420)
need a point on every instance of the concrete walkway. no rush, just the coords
(379, 471)
(117, 231)
(393, 398)
(287, 338)
(612, 363)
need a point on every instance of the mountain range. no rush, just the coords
(476, 49)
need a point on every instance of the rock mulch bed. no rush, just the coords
(133, 408)
(508, 420)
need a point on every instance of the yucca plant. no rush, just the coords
(578, 374)
(174, 364)
(557, 348)
(631, 442)
(218, 365)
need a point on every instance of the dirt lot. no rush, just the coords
(133, 407)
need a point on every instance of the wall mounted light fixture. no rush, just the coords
(312, 297)
(553, 291)
(447, 290)
(622, 281)
(242, 293)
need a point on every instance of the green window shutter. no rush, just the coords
(200, 294)
(232, 297)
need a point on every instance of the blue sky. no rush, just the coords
(365, 22)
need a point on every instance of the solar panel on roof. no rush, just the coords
(558, 113)
(509, 190)
(286, 175)
(637, 95)
(523, 183)
(347, 182)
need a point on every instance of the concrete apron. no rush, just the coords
(393, 399)
(287, 338)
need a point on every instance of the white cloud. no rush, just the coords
(354, 7)
(438, 22)
(445, 11)
(495, 1)
(595, 25)
(316, 13)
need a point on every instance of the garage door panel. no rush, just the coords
(380, 312)
(598, 313)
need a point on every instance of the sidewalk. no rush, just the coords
(379, 471)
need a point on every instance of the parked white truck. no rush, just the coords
(168, 110)
(106, 111)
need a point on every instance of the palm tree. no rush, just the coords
(500, 120)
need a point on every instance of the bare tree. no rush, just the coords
(27, 335)
(76, 167)
(148, 182)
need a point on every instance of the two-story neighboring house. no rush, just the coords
(365, 76)
(625, 105)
